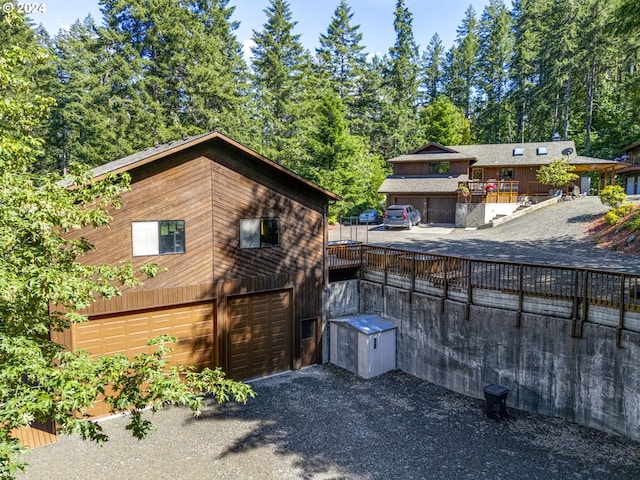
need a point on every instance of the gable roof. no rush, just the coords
(154, 153)
(504, 155)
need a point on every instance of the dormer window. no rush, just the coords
(541, 150)
(518, 152)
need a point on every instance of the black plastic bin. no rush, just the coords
(496, 398)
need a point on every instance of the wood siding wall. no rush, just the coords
(212, 187)
(211, 199)
(422, 168)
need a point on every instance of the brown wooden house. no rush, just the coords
(429, 177)
(630, 174)
(243, 242)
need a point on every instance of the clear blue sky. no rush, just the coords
(375, 18)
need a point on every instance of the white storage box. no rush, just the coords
(363, 344)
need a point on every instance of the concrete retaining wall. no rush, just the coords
(587, 380)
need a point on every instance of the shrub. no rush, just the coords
(613, 196)
(611, 217)
(633, 223)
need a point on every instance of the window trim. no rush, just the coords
(146, 238)
(507, 178)
(252, 235)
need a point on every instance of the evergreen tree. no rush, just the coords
(524, 72)
(340, 161)
(341, 56)
(401, 78)
(217, 88)
(461, 69)
(280, 65)
(370, 104)
(495, 121)
(432, 70)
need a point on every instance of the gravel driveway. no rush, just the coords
(324, 423)
(553, 235)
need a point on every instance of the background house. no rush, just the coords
(630, 158)
(428, 177)
(242, 240)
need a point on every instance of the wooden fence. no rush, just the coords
(609, 298)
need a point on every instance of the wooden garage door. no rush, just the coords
(441, 210)
(260, 338)
(192, 325)
(129, 333)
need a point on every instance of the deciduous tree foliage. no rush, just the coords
(445, 123)
(43, 287)
(557, 174)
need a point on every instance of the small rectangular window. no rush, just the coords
(308, 329)
(163, 237)
(439, 167)
(259, 232)
(507, 174)
(518, 152)
(541, 150)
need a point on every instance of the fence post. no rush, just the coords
(469, 288)
(414, 268)
(520, 295)
(585, 301)
(621, 304)
(576, 300)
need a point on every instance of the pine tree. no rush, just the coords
(461, 70)
(432, 82)
(401, 78)
(217, 86)
(445, 123)
(495, 121)
(279, 65)
(340, 161)
(341, 56)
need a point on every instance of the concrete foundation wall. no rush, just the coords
(587, 380)
(470, 215)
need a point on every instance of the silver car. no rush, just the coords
(370, 216)
(401, 216)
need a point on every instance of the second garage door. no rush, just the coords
(260, 334)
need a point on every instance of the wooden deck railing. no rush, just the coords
(465, 279)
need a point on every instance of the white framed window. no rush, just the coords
(259, 232)
(164, 237)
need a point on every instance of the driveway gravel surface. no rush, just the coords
(324, 423)
(552, 235)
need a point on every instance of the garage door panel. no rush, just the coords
(193, 326)
(129, 333)
(267, 348)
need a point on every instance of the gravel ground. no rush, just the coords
(324, 423)
(553, 235)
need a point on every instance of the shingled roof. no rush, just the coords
(421, 184)
(156, 152)
(502, 154)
